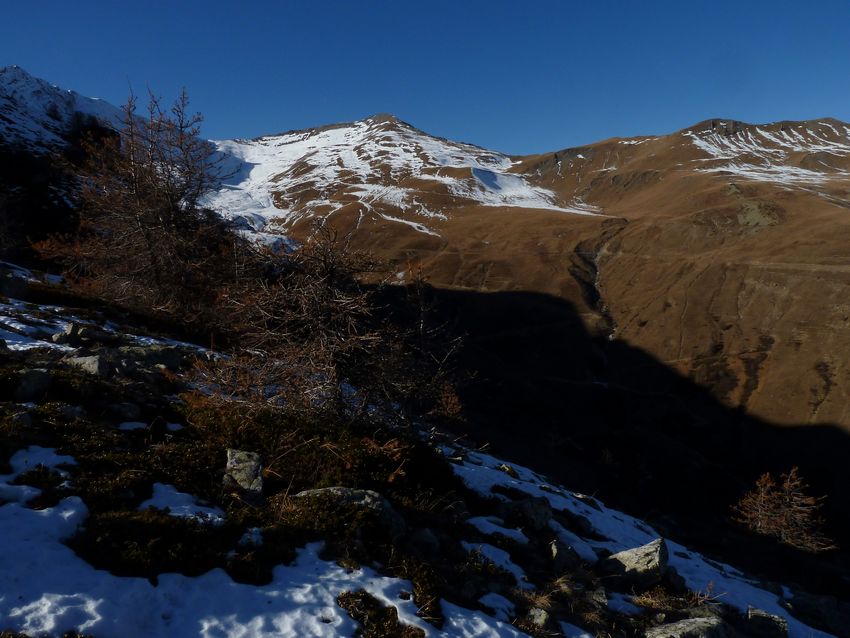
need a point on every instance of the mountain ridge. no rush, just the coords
(37, 115)
(740, 203)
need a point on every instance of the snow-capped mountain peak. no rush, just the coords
(379, 167)
(37, 115)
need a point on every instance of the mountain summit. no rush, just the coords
(376, 170)
(37, 115)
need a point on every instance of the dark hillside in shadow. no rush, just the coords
(608, 419)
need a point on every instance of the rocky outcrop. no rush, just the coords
(96, 365)
(78, 335)
(643, 566)
(533, 512)
(564, 557)
(766, 625)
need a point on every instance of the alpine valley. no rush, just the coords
(654, 321)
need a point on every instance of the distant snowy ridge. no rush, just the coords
(383, 170)
(379, 166)
(786, 153)
(36, 114)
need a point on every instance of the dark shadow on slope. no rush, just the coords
(608, 419)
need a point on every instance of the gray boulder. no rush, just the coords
(538, 617)
(390, 520)
(643, 566)
(70, 335)
(692, 628)
(95, 364)
(33, 385)
(761, 623)
(244, 474)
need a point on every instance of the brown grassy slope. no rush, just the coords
(739, 284)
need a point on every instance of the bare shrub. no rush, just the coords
(313, 336)
(144, 240)
(307, 330)
(784, 511)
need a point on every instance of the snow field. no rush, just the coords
(46, 588)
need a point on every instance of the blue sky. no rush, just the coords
(520, 76)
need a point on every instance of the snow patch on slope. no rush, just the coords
(618, 532)
(182, 505)
(46, 588)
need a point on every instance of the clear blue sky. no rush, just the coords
(519, 76)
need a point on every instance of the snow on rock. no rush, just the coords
(494, 525)
(501, 559)
(504, 609)
(45, 588)
(37, 114)
(619, 532)
(622, 603)
(25, 326)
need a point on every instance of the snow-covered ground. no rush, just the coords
(24, 325)
(481, 472)
(46, 588)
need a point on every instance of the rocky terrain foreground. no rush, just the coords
(129, 510)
